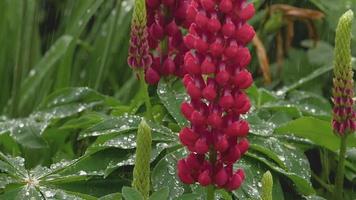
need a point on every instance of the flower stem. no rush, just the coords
(146, 96)
(339, 181)
(210, 192)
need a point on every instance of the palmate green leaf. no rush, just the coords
(285, 107)
(14, 167)
(112, 125)
(302, 185)
(129, 157)
(39, 183)
(316, 130)
(284, 158)
(251, 187)
(123, 124)
(259, 126)
(161, 194)
(172, 95)
(130, 193)
(114, 196)
(64, 103)
(164, 174)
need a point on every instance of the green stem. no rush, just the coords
(321, 182)
(210, 192)
(325, 165)
(339, 181)
(144, 88)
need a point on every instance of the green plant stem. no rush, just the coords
(321, 182)
(210, 190)
(144, 88)
(339, 180)
(325, 165)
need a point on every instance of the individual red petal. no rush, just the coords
(156, 31)
(186, 109)
(191, 63)
(208, 5)
(221, 177)
(228, 28)
(191, 12)
(244, 109)
(244, 128)
(201, 146)
(243, 146)
(201, 20)
(195, 161)
(184, 173)
(209, 91)
(200, 45)
(232, 50)
(225, 6)
(232, 155)
(189, 41)
(222, 77)
(168, 66)
(193, 91)
(216, 48)
(188, 137)
(221, 143)
(248, 12)
(226, 101)
(234, 182)
(172, 28)
(205, 178)
(215, 120)
(243, 58)
(207, 67)
(151, 76)
(243, 79)
(214, 25)
(197, 118)
(245, 34)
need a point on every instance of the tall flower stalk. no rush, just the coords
(215, 81)
(344, 115)
(139, 58)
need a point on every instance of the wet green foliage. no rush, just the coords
(70, 107)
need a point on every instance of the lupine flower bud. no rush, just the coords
(138, 51)
(216, 78)
(267, 186)
(344, 115)
(141, 173)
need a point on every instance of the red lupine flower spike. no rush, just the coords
(216, 62)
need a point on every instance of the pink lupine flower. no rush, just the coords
(215, 80)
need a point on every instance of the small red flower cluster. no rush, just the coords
(344, 115)
(215, 81)
(164, 18)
